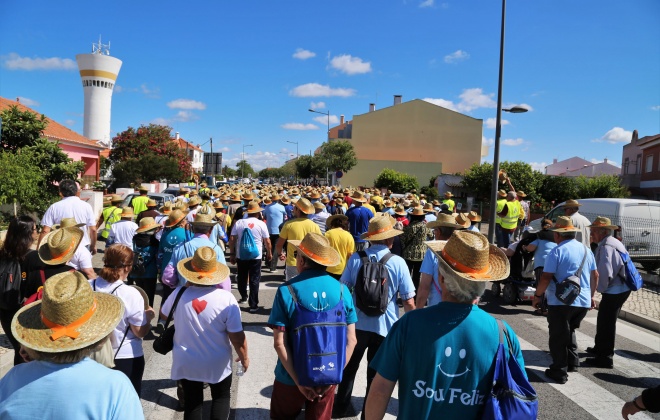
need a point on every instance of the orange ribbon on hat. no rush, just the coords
(66, 251)
(69, 330)
(203, 273)
(376, 232)
(311, 254)
(474, 273)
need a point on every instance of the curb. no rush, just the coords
(637, 319)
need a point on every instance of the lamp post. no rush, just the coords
(297, 156)
(498, 133)
(243, 159)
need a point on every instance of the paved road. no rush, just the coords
(590, 394)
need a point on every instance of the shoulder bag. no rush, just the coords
(165, 342)
(569, 289)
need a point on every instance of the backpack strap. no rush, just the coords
(504, 333)
(386, 258)
(293, 295)
(128, 326)
(364, 258)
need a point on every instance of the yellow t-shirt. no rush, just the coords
(370, 207)
(296, 229)
(343, 242)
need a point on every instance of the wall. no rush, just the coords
(563, 166)
(654, 174)
(366, 171)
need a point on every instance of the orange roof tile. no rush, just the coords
(183, 144)
(55, 130)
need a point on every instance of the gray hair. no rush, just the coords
(567, 235)
(464, 291)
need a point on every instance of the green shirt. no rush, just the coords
(140, 204)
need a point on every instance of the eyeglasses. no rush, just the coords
(295, 254)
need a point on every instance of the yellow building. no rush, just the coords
(415, 137)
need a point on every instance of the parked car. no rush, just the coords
(171, 190)
(160, 198)
(639, 221)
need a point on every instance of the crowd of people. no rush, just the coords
(352, 258)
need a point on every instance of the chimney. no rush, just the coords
(553, 160)
(372, 107)
(397, 99)
(18, 100)
(605, 160)
(341, 120)
(635, 137)
(176, 137)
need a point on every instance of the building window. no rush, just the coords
(649, 164)
(638, 164)
(625, 166)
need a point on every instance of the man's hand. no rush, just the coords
(536, 302)
(282, 257)
(309, 393)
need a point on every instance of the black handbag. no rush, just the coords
(569, 289)
(164, 343)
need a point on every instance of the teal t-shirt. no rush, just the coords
(316, 291)
(443, 358)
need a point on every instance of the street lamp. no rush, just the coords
(243, 159)
(323, 113)
(297, 156)
(498, 133)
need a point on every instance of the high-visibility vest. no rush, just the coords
(140, 204)
(521, 213)
(110, 215)
(510, 221)
(450, 203)
(498, 209)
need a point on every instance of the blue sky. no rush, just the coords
(246, 72)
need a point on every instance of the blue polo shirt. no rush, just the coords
(399, 281)
(430, 267)
(564, 261)
(316, 291)
(275, 214)
(358, 220)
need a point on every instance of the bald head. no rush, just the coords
(511, 195)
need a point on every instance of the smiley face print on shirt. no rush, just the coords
(453, 358)
(319, 306)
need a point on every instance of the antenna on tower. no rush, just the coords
(100, 48)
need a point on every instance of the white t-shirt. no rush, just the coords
(203, 317)
(190, 217)
(122, 232)
(81, 259)
(71, 207)
(259, 231)
(133, 314)
(161, 219)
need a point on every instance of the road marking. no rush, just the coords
(593, 398)
(637, 335)
(624, 362)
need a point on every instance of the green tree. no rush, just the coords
(338, 155)
(396, 181)
(478, 179)
(603, 186)
(142, 146)
(21, 181)
(304, 166)
(556, 189)
(21, 129)
(228, 172)
(244, 169)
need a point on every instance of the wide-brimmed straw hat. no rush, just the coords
(254, 207)
(318, 249)
(285, 199)
(359, 197)
(444, 220)
(236, 197)
(194, 201)
(147, 224)
(305, 206)
(267, 200)
(448, 194)
(319, 206)
(166, 208)
(142, 188)
(462, 219)
(521, 194)
(116, 198)
(603, 222)
(175, 217)
(145, 298)
(428, 208)
(207, 209)
(418, 211)
(329, 220)
(218, 204)
(59, 245)
(127, 213)
(151, 203)
(247, 196)
(400, 210)
(381, 227)
(469, 256)
(564, 224)
(203, 268)
(501, 193)
(205, 219)
(68, 222)
(571, 203)
(69, 317)
(474, 217)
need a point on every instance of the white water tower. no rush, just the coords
(98, 72)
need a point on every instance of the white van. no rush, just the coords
(639, 221)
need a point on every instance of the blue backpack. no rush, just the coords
(318, 343)
(512, 396)
(632, 278)
(248, 249)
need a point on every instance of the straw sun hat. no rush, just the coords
(203, 268)
(359, 197)
(127, 213)
(68, 222)
(254, 207)
(603, 222)
(147, 224)
(381, 227)
(469, 256)
(564, 224)
(305, 206)
(400, 210)
(69, 317)
(444, 220)
(473, 216)
(571, 203)
(318, 249)
(175, 217)
(58, 246)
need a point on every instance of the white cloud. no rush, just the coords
(471, 99)
(442, 102)
(611, 162)
(302, 54)
(151, 93)
(310, 90)
(456, 56)
(487, 142)
(224, 149)
(656, 107)
(186, 104)
(70, 123)
(160, 121)
(513, 142)
(27, 101)
(427, 3)
(118, 89)
(538, 166)
(15, 62)
(184, 116)
(299, 126)
(324, 120)
(317, 105)
(350, 65)
(615, 135)
(258, 160)
(490, 123)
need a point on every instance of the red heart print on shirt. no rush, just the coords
(199, 305)
(251, 225)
